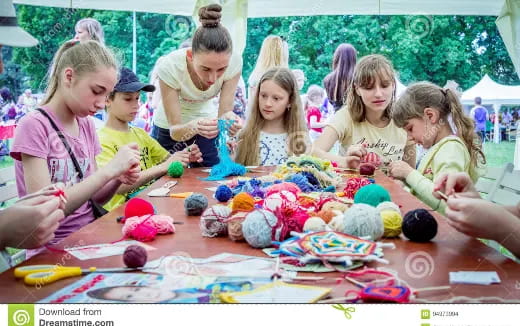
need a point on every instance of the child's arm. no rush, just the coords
(409, 154)
(97, 186)
(324, 143)
(181, 132)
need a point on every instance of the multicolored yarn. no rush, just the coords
(353, 185)
(226, 166)
(213, 221)
(302, 182)
(275, 200)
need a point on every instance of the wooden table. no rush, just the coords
(419, 264)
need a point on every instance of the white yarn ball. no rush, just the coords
(336, 223)
(389, 206)
(362, 220)
(212, 221)
(257, 228)
(314, 224)
(275, 200)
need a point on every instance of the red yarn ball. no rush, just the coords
(373, 158)
(367, 169)
(138, 207)
(135, 256)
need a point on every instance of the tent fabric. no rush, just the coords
(275, 8)
(508, 24)
(492, 92)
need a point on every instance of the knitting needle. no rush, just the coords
(443, 195)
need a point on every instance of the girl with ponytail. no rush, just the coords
(434, 118)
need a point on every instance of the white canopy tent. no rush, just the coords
(272, 8)
(494, 93)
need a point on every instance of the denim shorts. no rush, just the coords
(207, 146)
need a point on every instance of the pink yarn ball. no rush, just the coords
(275, 201)
(279, 187)
(145, 228)
(373, 158)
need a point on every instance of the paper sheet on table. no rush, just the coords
(104, 249)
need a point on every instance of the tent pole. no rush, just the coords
(134, 45)
(496, 138)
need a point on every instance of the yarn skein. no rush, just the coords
(372, 194)
(195, 204)
(362, 220)
(145, 228)
(223, 193)
(419, 225)
(135, 256)
(175, 170)
(213, 221)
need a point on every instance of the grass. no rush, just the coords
(499, 154)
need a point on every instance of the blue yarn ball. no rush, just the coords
(330, 189)
(372, 194)
(302, 182)
(311, 178)
(223, 193)
(195, 204)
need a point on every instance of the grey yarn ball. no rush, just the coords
(257, 228)
(195, 204)
(362, 220)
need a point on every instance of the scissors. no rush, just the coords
(46, 274)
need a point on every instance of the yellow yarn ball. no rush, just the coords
(392, 223)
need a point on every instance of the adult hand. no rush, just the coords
(237, 125)
(195, 155)
(455, 183)
(31, 222)
(207, 128)
(399, 169)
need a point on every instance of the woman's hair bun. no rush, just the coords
(210, 15)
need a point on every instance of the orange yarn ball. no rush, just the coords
(243, 202)
(325, 215)
(307, 202)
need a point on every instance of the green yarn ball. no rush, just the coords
(372, 194)
(175, 170)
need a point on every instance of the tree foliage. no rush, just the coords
(434, 48)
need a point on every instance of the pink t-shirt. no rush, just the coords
(35, 136)
(313, 111)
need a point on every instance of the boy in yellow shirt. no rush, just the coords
(122, 107)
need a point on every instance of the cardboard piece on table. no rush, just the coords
(181, 194)
(163, 190)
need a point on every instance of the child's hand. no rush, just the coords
(180, 156)
(399, 169)
(31, 222)
(131, 176)
(235, 128)
(455, 183)
(207, 128)
(195, 155)
(358, 150)
(480, 218)
(126, 159)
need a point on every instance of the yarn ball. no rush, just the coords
(367, 169)
(195, 204)
(138, 207)
(334, 205)
(279, 187)
(362, 220)
(175, 170)
(314, 224)
(243, 202)
(336, 224)
(301, 181)
(372, 194)
(234, 224)
(307, 202)
(275, 201)
(373, 158)
(325, 215)
(419, 225)
(145, 228)
(389, 206)
(223, 193)
(213, 221)
(135, 256)
(258, 228)
(392, 223)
